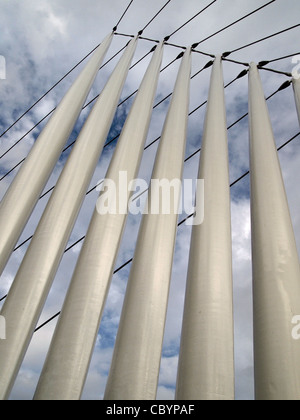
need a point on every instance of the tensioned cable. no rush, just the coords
(285, 85)
(266, 62)
(227, 53)
(122, 17)
(179, 224)
(155, 16)
(234, 23)
(279, 148)
(275, 71)
(261, 65)
(147, 24)
(192, 18)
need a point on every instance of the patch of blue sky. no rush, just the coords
(118, 122)
(107, 333)
(241, 190)
(171, 350)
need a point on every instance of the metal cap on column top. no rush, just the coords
(276, 273)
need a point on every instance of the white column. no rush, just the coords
(27, 186)
(135, 367)
(276, 274)
(30, 288)
(67, 362)
(206, 363)
(296, 86)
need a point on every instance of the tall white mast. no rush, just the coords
(206, 363)
(276, 274)
(136, 361)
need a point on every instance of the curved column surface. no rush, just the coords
(206, 362)
(276, 274)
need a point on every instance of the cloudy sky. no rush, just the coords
(41, 41)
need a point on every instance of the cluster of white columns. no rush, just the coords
(78, 325)
(206, 361)
(27, 186)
